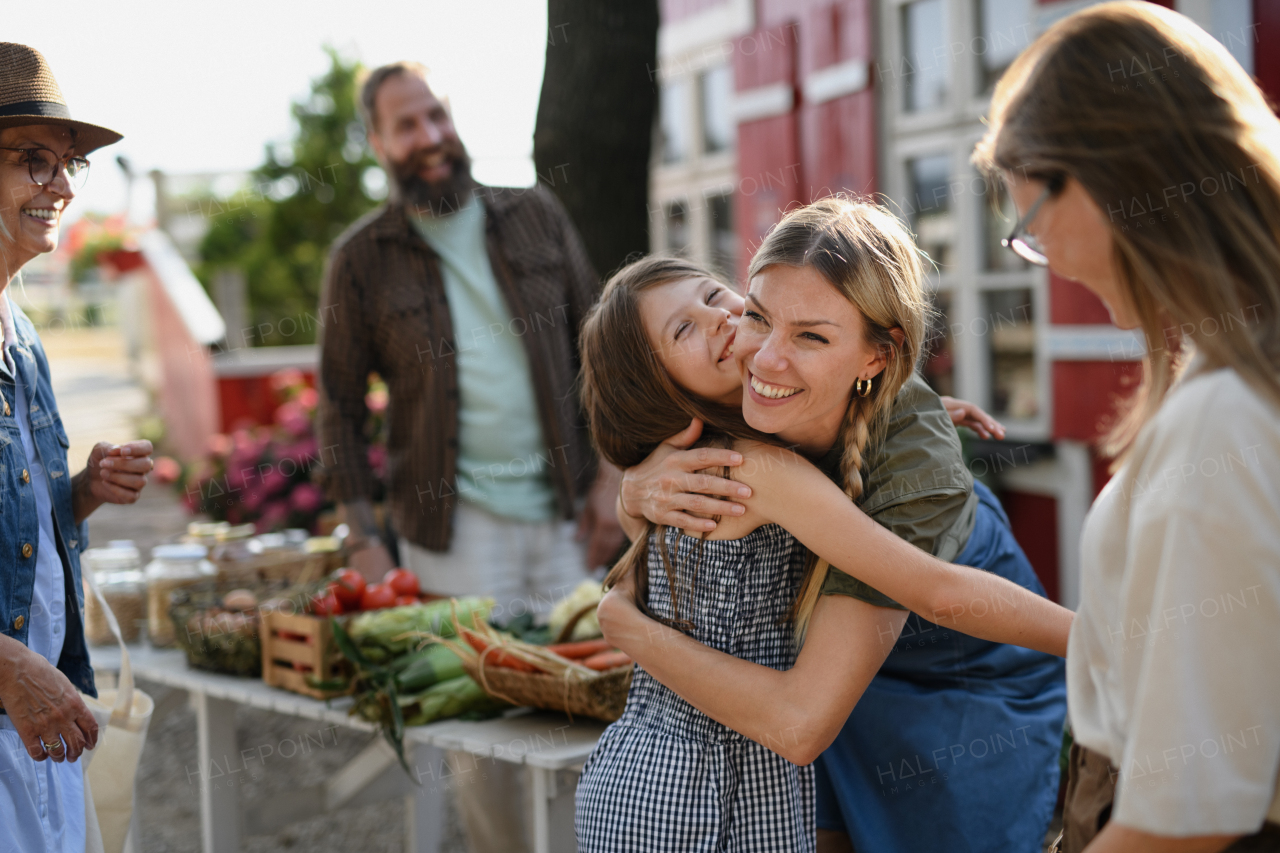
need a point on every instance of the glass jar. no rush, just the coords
(172, 567)
(234, 558)
(127, 545)
(118, 572)
(205, 532)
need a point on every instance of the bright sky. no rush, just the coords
(202, 86)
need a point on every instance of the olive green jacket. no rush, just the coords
(914, 483)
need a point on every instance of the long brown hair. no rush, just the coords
(633, 405)
(1154, 118)
(866, 254)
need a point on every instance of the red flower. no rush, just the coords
(274, 515)
(306, 498)
(305, 452)
(220, 444)
(377, 399)
(293, 419)
(308, 398)
(252, 499)
(166, 470)
(378, 459)
(284, 380)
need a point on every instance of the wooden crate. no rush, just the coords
(287, 660)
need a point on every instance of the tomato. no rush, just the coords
(405, 600)
(377, 596)
(403, 581)
(326, 603)
(348, 586)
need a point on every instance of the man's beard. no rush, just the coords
(438, 199)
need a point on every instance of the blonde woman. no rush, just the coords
(927, 736)
(1160, 192)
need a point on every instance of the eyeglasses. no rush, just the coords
(1027, 246)
(44, 166)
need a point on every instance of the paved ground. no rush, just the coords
(97, 398)
(99, 401)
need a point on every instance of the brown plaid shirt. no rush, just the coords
(385, 310)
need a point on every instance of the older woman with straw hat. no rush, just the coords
(43, 657)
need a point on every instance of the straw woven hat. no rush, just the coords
(30, 95)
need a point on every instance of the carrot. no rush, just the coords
(493, 655)
(581, 649)
(607, 660)
(496, 657)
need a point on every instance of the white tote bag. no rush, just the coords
(123, 716)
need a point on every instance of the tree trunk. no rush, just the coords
(595, 121)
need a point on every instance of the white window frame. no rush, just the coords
(954, 130)
(699, 176)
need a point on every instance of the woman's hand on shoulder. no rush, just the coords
(667, 486)
(966, 414)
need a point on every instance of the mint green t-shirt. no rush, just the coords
(502, 455)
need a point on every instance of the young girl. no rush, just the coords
(633, 403)
(666, 777)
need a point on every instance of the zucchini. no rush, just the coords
(430, 666)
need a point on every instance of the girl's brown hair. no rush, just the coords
(866, 254)
(1155, 119)
(632, 404)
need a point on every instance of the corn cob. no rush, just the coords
(383, 635)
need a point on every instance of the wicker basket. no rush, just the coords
(231, 647)
(602, 696)
(277, 567)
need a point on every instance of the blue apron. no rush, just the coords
(954, 745)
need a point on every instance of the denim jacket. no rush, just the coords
(19, 531)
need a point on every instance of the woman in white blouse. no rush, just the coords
(1145, 163)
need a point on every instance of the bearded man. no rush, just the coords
(466, 300)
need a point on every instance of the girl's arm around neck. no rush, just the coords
(789, 491)
(797, 713)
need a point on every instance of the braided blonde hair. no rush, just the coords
(868, 255)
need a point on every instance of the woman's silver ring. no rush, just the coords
(51, 746)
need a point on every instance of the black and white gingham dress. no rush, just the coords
(666, 777)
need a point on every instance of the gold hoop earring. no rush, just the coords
(863, 387)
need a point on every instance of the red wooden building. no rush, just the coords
(767, 104)
(202, 386)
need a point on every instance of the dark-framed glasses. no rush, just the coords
(1023, 244)
(43, 165)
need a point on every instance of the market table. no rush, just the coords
(549, 745)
